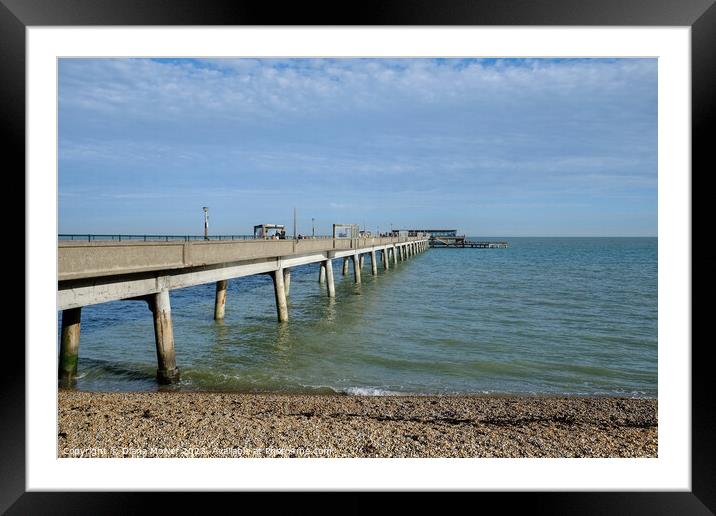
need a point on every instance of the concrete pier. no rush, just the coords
(322, 273)
(167, 371)
(220, 300)
(329, 278)
(95, 271)
(373, 264)
(287, 280)
(356, 268)
(280, 293)
(69, 344)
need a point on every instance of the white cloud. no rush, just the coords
(266, 89)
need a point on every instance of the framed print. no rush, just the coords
(445, 247)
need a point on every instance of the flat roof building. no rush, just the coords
(431, 232)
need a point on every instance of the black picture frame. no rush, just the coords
(700, 15)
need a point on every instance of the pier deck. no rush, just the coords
(461, 244)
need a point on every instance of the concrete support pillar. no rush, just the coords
(356, 268)
(322, 273)
(386, 259)
(280, 293)
(345, 266)
(220, 300)
(69, 344)
(402, 253)
(373, 264)
(167, 371)
(395, 255)
(287, 280)
(329, 278)
(361, 260)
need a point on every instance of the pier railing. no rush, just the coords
(81, 237)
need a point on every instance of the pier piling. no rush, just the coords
(345, 266)
(385, 259)
(160, 306)
(287, 280)
(373, 264)
(220, 300)
(322, 273)
(329, 278)
(356, 268)
(69, 344)
(280, 293)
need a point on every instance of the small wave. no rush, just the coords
(370, 391)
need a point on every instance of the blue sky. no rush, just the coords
(491, 147)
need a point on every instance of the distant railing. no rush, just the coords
(169, 238)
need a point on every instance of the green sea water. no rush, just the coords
(544, 316)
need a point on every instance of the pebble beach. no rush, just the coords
(216, 424)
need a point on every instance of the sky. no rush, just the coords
(490, 147)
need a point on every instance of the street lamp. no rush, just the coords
(313, 228)
(206, 222)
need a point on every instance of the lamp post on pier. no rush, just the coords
(206, 223)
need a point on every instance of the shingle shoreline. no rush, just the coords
(214, 424)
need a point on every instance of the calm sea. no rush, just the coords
(544, 316)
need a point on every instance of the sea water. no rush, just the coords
(544, 316)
